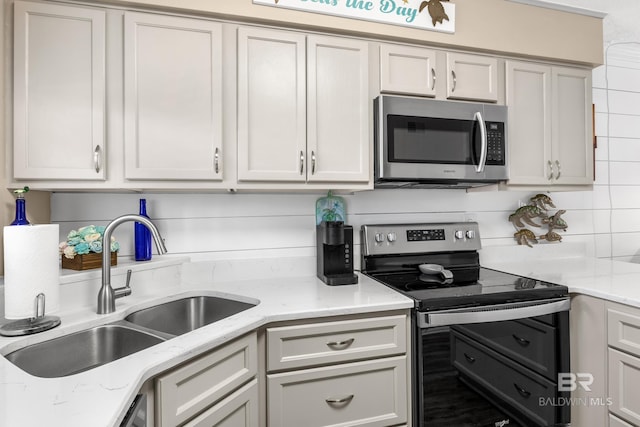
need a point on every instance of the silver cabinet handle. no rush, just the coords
(340, 345)
(313, 163)
(453, 75)
(216, 160)
(558, 171)
(483, 140)
(97, 158)
(301, 162)
(550, 167)
(433, 78)
(334, 401)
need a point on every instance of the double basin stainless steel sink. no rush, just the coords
(81, 351)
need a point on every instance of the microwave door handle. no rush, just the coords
(483, 140)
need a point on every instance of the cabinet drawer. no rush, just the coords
(526, 341)
(624, 383)
(370, 393)
(195, 386)
(327, 343)
(624, 329)
(238, 409)
(617, 422)
(519, 387)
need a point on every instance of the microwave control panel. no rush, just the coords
(495, 143)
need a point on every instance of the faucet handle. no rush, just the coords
(126, 289)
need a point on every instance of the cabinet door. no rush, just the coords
(59, 92)
(173, 98)
(472, 77)
(528, 97)
(407, 70)
(239, 409)
(572, 154)
(196, 386)
(271, 105)
(338, 110)
(624, 381)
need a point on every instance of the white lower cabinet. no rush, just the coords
(370, 393)
(617, 422)
(239, 409)
(605, 359)
(206, 391)
(623, 323)
(352, 372)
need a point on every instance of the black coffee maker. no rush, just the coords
(334, 241)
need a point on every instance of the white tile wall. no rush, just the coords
(616, 96)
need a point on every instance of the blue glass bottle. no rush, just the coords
(142, 236)
(21, 208)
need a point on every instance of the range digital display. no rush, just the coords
(425, 235)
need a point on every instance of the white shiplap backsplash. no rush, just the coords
(606, 221)
(222, 226)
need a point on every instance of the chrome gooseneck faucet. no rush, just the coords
(107, 295)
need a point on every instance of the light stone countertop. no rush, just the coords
(601, 278)
(285, 290)
(100, 396)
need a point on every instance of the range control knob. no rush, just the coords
(379, 237)
(391, 237)
(459, 234)
(471, 234)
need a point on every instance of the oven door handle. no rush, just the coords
(493, 313)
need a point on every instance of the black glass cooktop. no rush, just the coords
(483, 287)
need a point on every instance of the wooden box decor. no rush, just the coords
(87, 261)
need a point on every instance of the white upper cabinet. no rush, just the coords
(338, 116)
(271, 105)
(412, 70)
(572, 149)
(173, 98)
(472, 77)
(303, 108)
(549, 121)
(407, 70)
(59, 92)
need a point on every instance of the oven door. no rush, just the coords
(421, 139)
(493, 366)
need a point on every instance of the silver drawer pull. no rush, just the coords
(470, 359)
(340, 345)
(339, 401)
(523, 342)
(524, 393)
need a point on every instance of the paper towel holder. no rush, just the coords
(32, 325)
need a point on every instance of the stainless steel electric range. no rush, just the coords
(487, 346)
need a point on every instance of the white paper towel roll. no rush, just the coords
(30, 267)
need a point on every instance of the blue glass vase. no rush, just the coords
(21, 212)
(142, 236)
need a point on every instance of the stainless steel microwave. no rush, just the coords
(427, 143)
